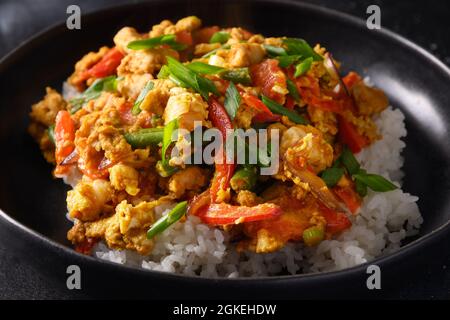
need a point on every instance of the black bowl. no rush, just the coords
(34, 225)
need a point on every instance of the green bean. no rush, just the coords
(244, 179)
(145, 137)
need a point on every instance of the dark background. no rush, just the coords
(425, 22)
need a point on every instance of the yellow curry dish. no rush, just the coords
(305, 165)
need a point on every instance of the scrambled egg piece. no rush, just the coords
(124, 177)
(124, 36)
(191, 179)
(156, 99)
(308, 143)
(43, 115)
(88, 199)
(145, 61)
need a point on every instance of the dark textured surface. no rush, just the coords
(425, 25)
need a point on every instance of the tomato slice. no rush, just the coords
(350, 136)
(223, 214)
(106, 66)
(264, 115)
(267, 75)
(184, 37)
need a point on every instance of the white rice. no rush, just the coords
(385, 219)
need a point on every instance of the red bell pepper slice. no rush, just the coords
(350, 136)
(349, 196)
(223, 214)
(351, 79)
(224, 172)
(264, 115)
(336, 221)
(106, 66)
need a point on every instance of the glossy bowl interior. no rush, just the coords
(34, 203)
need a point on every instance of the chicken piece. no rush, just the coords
(187, 107)
(369, 100)
(88, 199)
(239, 34)
(124, 36)
(126, 229)
(45, 111)
(244, 116)
(192, 179)
(124, 177)
(139, 216)
(324, 121)
(245, 54)
(77, 78)
(203, 48)
(132, 84)
(43, 115)
(164, 27)
(113, 143)
(157, 98)
(307, 143)
(145, 61)
(189, 24)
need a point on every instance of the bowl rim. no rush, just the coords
(406, 250)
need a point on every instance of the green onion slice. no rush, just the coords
(166, 221)
(207, 55)
(274, 51)
(331, 176)
(277, 108)
(303, 67)
(232, 100)
(93, 92)
(137, 104)
(203, 68)
(286, 61)
(349, 161)
(167, 138)
(51, 133)
(191, 79)
(220, 37)
(296, 46)
(375, 182)
(293, 91)
(168, 39)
